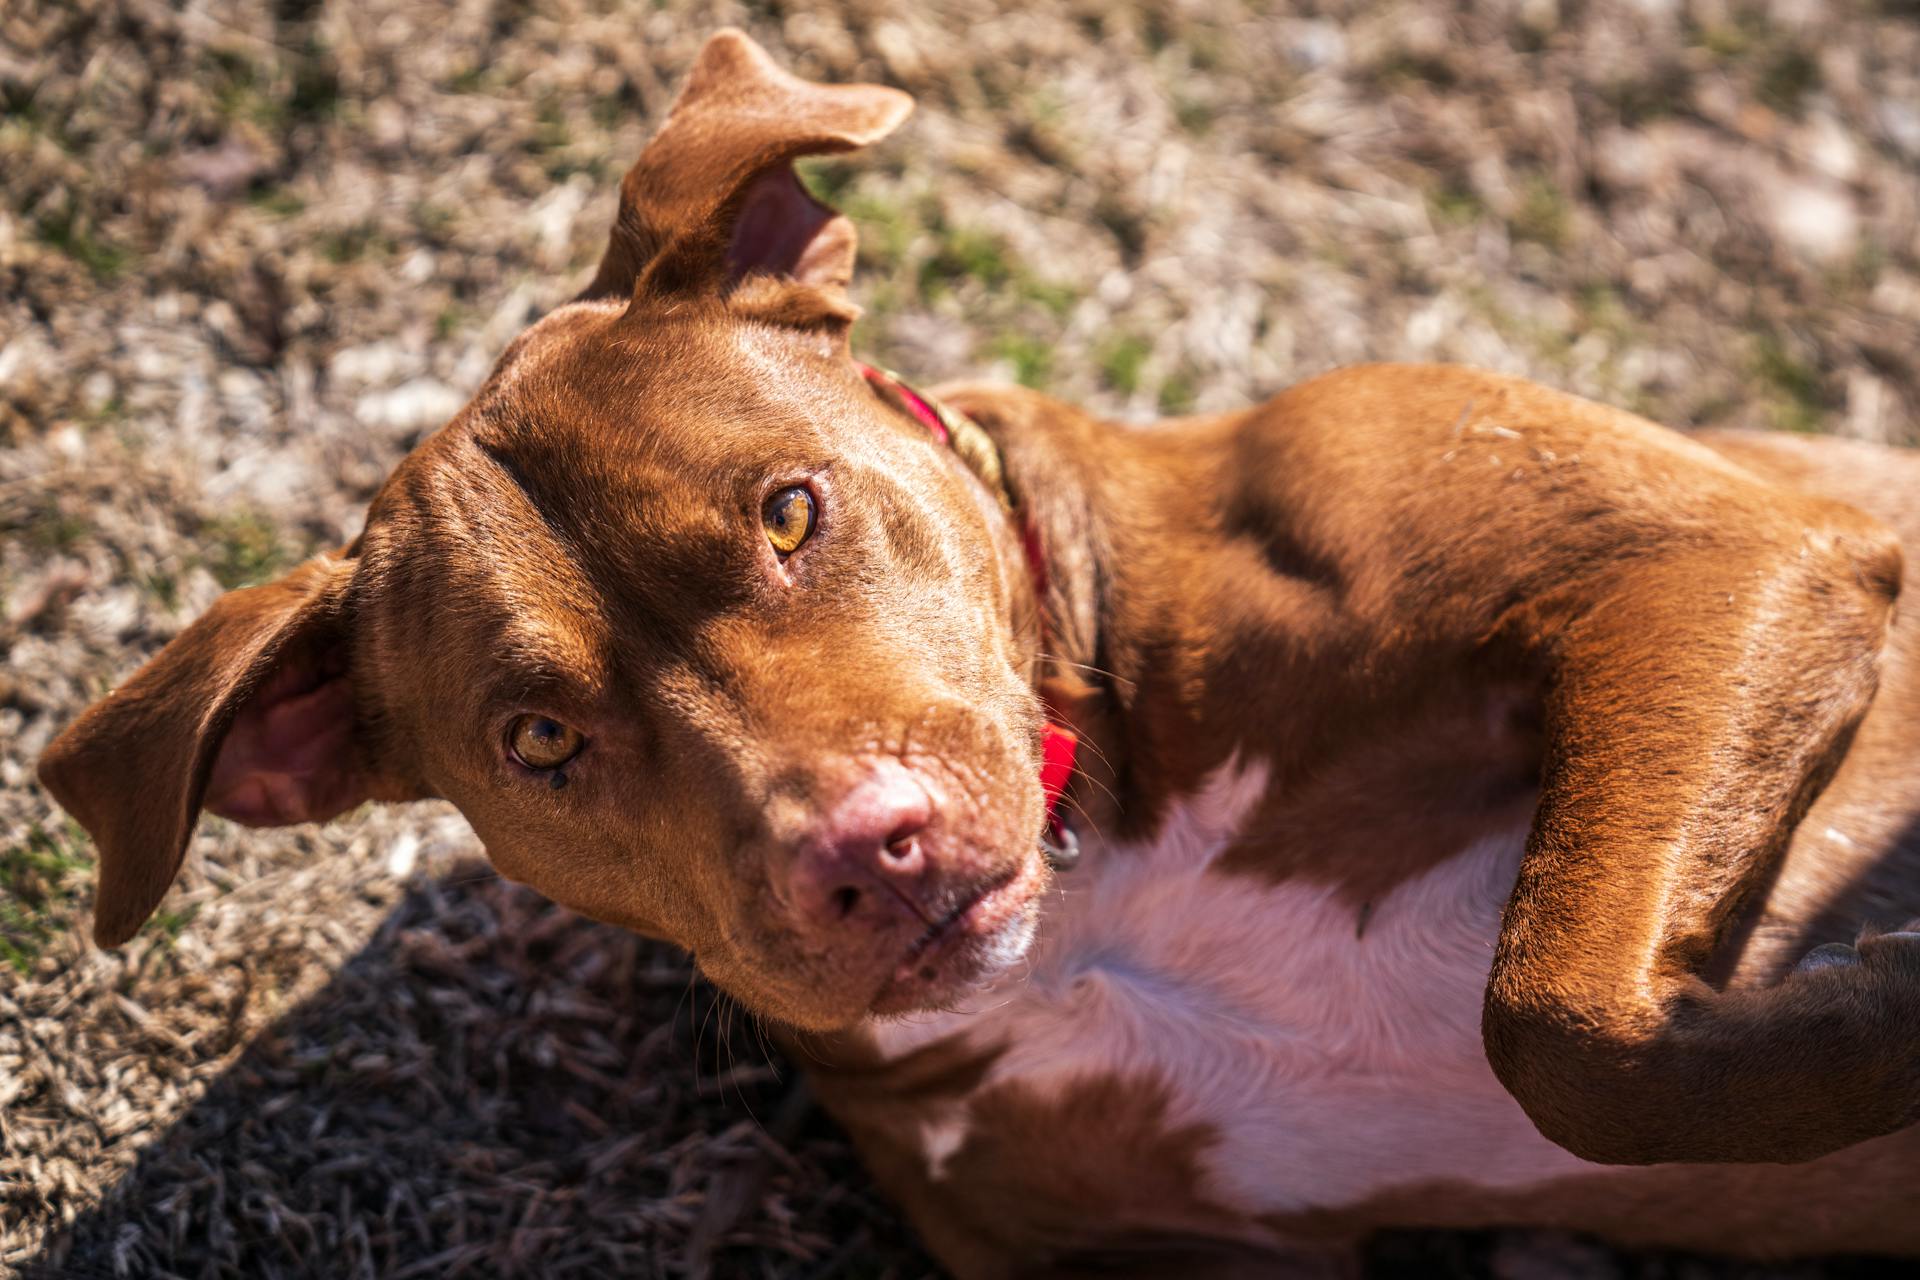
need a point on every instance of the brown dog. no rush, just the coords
(1480, 787)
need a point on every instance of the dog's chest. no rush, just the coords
(1326, 1051)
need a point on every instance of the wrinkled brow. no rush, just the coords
(514, 578)
(537, 649)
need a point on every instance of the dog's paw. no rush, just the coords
(1828, 955)
(1894, 952)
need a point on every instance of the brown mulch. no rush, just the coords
(252, 250)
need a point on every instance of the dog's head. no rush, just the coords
(703, 637)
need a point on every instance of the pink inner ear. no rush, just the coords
(782, 230)
(289, 755)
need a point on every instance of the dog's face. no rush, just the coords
(760, 624)
(703, 637)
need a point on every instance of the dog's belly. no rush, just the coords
(1308, 1053)
(1203, 1051)
(1196, 1052)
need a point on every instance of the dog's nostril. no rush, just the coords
(866, 857)
(902, 855)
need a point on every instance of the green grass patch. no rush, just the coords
(1660, 93)
(1404, 67)
(827, 180)
(1454, 204)
(277, 201)
(1728, 40)
(966, 254)
(1032, 359)
(350, 244)
(48, 525)
(448, 321)
(550, 129)
(169, 924)
(1193, 115)
(1789, 75)
(19, 111)
(877, 303)
(1603, 309)
(1056, 297)
(39, 879)
(554, 139)
(1121, 360)
(468, 80)
(111, 411)
(886, 229)
(1206, 48)
(1796, 393)
(69, 231)
(1157, 29)
(301, 89)
(243, 550)
(237, 90)
(1178, 392)
(1543, 215)
(316, 85)
(163, 587)
(433, 220)
(607, 110)
(1862, 269)
(1784, 71)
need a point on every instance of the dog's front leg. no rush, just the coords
(1704, 645)
(1698, 702)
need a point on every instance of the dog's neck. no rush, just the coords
(1120, 515)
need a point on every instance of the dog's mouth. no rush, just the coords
(984, 934)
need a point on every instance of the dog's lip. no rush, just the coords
(949, 924)
(976, 921)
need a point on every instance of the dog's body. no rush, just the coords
(1477, 785)
(1144, 1085)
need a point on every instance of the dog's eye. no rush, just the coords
(540, 743)
(788, 517)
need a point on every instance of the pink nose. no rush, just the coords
(863, 864)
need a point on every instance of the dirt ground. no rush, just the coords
(251, 251)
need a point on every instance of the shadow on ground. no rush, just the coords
(493, 1086)
(496, 1087)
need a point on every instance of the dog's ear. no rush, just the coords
(248, 713)
(713, 199)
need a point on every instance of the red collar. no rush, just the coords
(966, 437)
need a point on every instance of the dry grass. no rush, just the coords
(252, 250)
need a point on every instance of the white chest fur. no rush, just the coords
(1334, 1061)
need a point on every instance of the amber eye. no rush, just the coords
(540, 743)
(788, 517)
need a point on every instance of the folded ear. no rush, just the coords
(249, 713)
(714, 198)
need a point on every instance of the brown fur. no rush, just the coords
(1426, 598)
(1364, 539)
